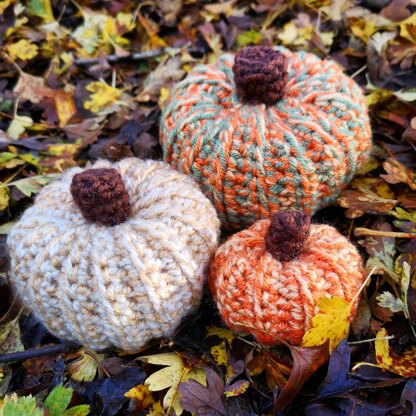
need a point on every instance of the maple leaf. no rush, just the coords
(204, 400)
(23, 49)
(171, 376)
(103, 96)
(332, 323)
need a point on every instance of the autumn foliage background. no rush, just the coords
(88, 79)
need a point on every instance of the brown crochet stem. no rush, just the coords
(287, 234)
(260, 75)
(101, 196)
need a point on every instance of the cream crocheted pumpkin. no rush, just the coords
(114, 255)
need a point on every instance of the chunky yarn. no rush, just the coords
(266, 130)
(276, 299)
(114, 255)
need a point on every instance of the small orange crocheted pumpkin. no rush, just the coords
(266, 280)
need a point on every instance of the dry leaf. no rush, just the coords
(32, 88)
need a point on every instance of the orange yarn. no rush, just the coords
(276, 300)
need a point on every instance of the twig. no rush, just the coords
(136, 56)
(374, 233)
(37, 352)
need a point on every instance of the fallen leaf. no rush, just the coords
(32, 88)
(65, 106)
(166, 73)
(306, 361)
(170, 377)
(364, 202)
(397, 172)
(103, 96)
(404, 365)
(142, 397)
(18, 126)
(23, 49)
(42, 9)
(331, 324)
(84, 368)
(204, 400)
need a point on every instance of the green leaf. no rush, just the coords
(24, 406)
(388, 300)
(33, 184)
(10, 337)
(4, 198)
(82, 410)
(42, 9)
(58, 400)
(402, 214)
(249, 37)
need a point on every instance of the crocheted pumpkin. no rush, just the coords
(114, 255)
(267, 279)
(266, 130)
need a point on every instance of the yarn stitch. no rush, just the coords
(276, 300)
(118, 285)
(251, 160)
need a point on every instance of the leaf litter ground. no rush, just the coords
(88, 79)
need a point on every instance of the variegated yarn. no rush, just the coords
(266, 280)
(123, 283)
(253, 155)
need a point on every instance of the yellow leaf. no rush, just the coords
(362, 28)
(4, 5)
(331, 324)
(141, 395)
(219, 351)
(220, 333)
(382, 349)
(170, 377)
(294, 35)
(85, 368)
(102, 96)
(18, 126)
(23, 49)
(377, 96)
(65, 106)
(387, 359)
(157, 410)
(408, 28)
(4, 198)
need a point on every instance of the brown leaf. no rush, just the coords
(362, 321)
(275, 368)
(397, 172)
(32, 88)
(305, 362)
(396, 10)
(360, 203)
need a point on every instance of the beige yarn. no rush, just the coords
(115, 286)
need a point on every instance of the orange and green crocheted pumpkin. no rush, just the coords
(267, 280)
(265, 130)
